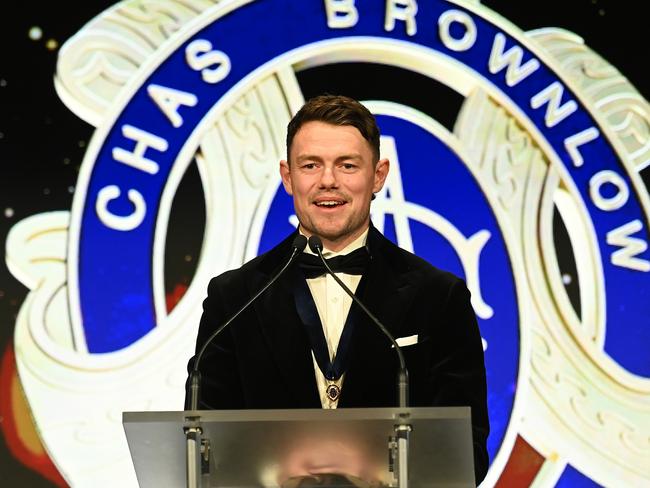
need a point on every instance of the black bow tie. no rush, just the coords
(354, 263)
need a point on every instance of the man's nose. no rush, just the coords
(328, 177)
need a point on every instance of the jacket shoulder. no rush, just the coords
(405, 261)
(265, 264)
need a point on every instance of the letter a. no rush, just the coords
(168, 100)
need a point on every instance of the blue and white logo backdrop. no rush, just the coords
(527, 184)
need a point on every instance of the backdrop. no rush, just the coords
(140, 143)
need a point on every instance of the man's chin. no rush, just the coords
(331, 233)
(334, 230)
(336, 237)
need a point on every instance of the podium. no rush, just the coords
(273, 448)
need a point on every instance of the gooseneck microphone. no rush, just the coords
(298, 245)
(316, 246)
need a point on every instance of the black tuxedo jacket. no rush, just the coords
(263, 360)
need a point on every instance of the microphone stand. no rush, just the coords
(399, 446)
(197, 451)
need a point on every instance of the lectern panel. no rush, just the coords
(270, 448)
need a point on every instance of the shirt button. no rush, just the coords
(335, 300)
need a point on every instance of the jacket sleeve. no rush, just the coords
(220, 378)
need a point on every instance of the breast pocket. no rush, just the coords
(417, 356)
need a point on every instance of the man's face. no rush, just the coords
(331, 176)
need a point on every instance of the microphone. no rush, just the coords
(316, 246)
(298, 246)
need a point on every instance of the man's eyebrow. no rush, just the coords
(346, 157)
(309, 157)
(315, 157)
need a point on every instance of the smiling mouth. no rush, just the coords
(329, 203)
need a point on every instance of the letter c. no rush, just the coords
(117, 222)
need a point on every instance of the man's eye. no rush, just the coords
(349, 166)
(309, 165)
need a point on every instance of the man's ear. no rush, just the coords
(285, 173)
(381, 172)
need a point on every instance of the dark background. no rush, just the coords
(42, 143)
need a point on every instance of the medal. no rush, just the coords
(333, 392)
(332, 368)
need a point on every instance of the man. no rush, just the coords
(302, 344)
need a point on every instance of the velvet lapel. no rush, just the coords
(281, 327)
(370, 378)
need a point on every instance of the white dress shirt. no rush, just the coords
(333, 305)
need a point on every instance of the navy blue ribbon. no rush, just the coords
(308, 313)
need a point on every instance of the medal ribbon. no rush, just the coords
(308, 313)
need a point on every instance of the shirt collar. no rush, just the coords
(353, 246)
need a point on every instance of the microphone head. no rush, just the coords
(299, 243)
(315, 244)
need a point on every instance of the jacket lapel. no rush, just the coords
(284, 333)
(371, 376)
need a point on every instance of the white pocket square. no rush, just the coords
(407, 341)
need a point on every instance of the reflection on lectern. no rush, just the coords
(324, 461)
